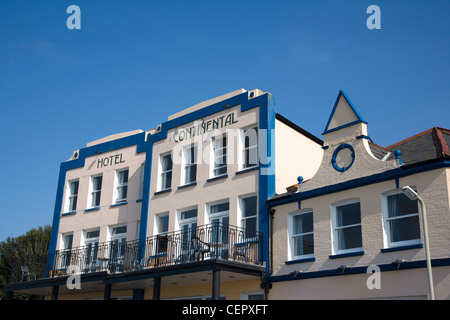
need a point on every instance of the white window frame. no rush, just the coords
(121, 239)
(94, 241)
(214, 157)
(243, 149)
(241, 211)
(120, 185)
(388, 243)
(158, 223)
(163, 172)
(293, 235)
(181, 222)
(335, 228)
(188, 166)
(218, 215)
(93, 192)
(71, 197)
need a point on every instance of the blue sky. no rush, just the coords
(134, 63)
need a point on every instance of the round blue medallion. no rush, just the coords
(343, 157)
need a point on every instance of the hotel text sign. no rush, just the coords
(205, 126)
(108, 161)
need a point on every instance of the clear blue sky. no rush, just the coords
(134, 63)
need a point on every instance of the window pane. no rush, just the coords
(303, 223)
(123, 176)
(74, 188)
(220, 207)
(189, 214)
(350, 238)
(304, 245)
(348, 214)
(400, 204)
(167, 162)
(405, 229)
(249, 206)
(97, 184)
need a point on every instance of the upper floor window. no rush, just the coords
(249, 143)
(190, 164)
(96, 188)
(166, 165)
(219, 155)
(249, 214)
(301, 235)
(72, 196)
(346, 223)
(401, 219)
(121, 186)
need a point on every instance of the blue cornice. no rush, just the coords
(406, 265)
(359, 182)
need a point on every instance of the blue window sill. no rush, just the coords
(345, 255)
(91, 209)
(188, 185)
(300, 260)
(119, 204)
(68, 213)
(400, 248)
(247, 170)
(162, 191)
(223, 176)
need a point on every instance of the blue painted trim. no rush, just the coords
(222, 176)
(363, 137)
(401, 248)
(359, 182)
(91, 209)
(360, 118)
(118, 204)
(346, 255)
(162, 192)
(407, 265)
(335, 153)
(71, 213)
(300, 260)
(191, 184)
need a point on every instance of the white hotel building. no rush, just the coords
(179, 211)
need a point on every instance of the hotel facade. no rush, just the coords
(204, 206)
(176, 212)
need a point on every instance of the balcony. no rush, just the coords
(207, 242)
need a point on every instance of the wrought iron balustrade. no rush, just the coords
(210, 241)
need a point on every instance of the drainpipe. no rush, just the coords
(265, 284)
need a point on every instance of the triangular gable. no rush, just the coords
(344, 114)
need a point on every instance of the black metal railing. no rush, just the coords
(204, 242)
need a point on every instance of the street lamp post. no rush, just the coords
(411, 194)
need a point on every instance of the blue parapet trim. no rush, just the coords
(360, 118)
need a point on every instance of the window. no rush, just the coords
(118, 239)
(301, 235)
(187, 221)
(91, 246)
(96, 187)
(219, 154)
(346, 222)
(166, 172)
(249, 215)
(65, 254)
(219, 219)
(121, 186)
(401, 219)
(190, 164)
(249, 140)
(73, 196)
(162, 228)
(162, 223)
